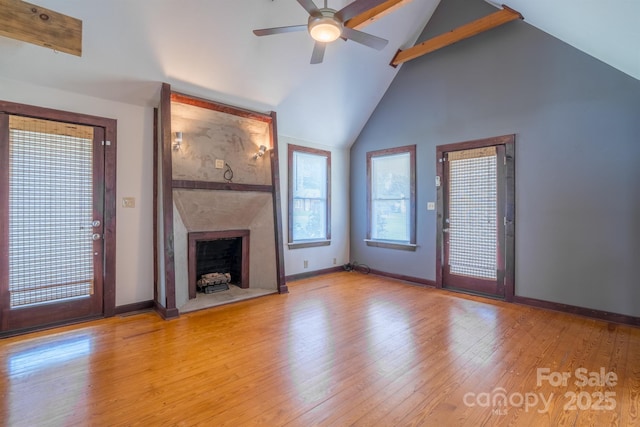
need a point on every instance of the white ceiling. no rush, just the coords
(206, 48)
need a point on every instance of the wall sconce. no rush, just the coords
(177, 141)
(260, 152)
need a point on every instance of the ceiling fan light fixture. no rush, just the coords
(326, 25)
(324, 29)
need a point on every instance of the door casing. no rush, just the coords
(109, 127)
(506, 228)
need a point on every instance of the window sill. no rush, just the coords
(309, 244)
(391, 245)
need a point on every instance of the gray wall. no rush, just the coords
(577, 126)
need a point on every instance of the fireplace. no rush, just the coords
(223, 252)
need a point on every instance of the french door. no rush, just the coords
(52, 190)
(476, 210)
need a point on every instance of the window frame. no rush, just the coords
(308, 243)
(393, 244)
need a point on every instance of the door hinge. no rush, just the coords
(106, 142)
(504, 160)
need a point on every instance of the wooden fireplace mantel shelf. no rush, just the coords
(225, 186)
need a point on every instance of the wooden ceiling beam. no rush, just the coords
(468, 30)
(375, 13)
(40, 26)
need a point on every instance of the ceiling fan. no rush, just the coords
(326, 25)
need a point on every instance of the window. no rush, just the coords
(391, 198)
(309, 197)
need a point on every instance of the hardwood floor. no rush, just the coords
(341, 349)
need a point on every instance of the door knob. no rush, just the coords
(96, 236)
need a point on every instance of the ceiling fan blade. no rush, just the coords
(364, 38)
(279, 30)
(356, 8)
(309, 6)
(318, 52)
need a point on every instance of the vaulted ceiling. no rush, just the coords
(207, 48)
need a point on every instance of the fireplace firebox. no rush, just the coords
(222, 252)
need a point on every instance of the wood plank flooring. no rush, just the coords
(338, 350)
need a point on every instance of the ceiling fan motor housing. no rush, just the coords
(324, 26)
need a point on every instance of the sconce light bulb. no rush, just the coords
(177, 141)
(260, 152)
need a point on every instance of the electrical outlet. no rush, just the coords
(128, 202)
(431, 206)
(219, 163)
(334, 261)
(306, 264)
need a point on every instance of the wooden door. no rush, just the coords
(53, 207)
(476, 218)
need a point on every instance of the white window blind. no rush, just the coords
(473, 212)
(50, 211)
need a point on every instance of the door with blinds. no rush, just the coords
(53, 198)
(476, 218)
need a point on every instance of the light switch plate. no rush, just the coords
(219, 163)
